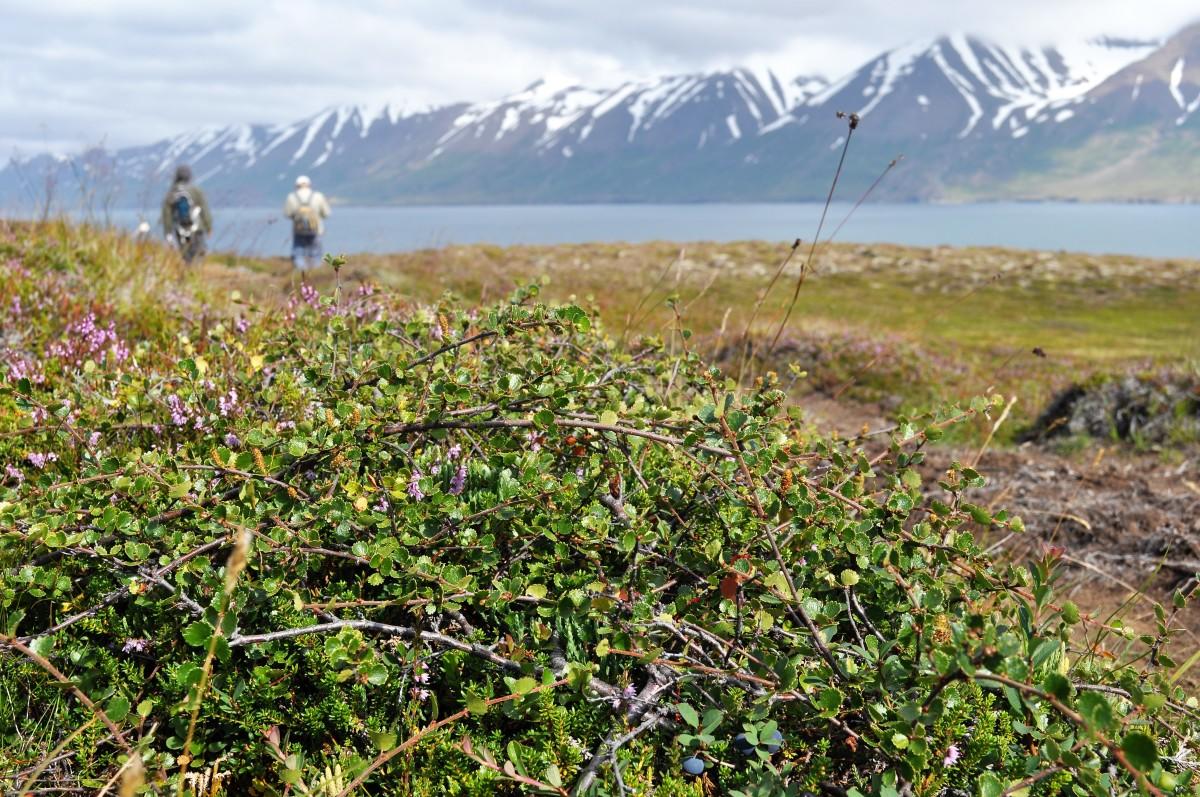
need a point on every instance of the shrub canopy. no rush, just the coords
(352, 545)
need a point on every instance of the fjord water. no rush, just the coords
(1151, 230)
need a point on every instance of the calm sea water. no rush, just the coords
(1150, 230)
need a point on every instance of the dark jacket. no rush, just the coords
(198, 200)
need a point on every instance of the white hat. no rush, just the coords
(303, 181)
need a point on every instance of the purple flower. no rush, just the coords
(309, 294)
(421, 677)
(179, 412)
(627, 694)
(39, 460)
(134, 645)
(241, 325)
(420, 695)
(21, 368)
(231, 441)
(14, 473)
(228, 404)
(459, 481)
(93, 439)
(454, 453)
(952, 756)
(535, 440)
(435, 332)
(414, 485)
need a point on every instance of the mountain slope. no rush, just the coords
(974, 118)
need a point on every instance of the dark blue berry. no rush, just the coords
(693, 766)
(775, 744)
(742, 744)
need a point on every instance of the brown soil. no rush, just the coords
(1128, 524)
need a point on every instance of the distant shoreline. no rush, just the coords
(1141, 229)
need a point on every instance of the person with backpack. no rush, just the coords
(308, 210)
(186, 219)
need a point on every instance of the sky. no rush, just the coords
(77, 73)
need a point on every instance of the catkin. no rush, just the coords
(259, 462)
(941, 630)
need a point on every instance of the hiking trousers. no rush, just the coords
(306, 252)
(194, 247)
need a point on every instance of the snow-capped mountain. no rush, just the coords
(993, 88)
(974, 118)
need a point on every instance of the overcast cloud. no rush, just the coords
(81, 72)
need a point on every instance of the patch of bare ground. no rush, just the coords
(1128, 526)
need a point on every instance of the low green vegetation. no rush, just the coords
(900, 328)
(344, 543)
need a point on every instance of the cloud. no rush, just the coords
(79, 72)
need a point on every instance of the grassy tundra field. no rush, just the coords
(893, 327)
(478, 521)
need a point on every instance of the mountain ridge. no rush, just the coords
(975, 119)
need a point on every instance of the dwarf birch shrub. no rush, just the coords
(351, 546)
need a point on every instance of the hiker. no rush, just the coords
(307, 209)
(186, 219)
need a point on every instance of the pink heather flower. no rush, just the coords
(284, 426)
(414, 485)
(459, 481)
(39, 460)
(84, 339)
(420, 695)
(21, 368)
(231, 441)
(454, 453)
(16, 306)
(134, 645)
(179, 413)
(241, 325)
(435, 469)
(39, 415)
(228, 404)
(435, 332)
(93, 439)
(952, 756)
(535, 440)
(383, 505)
(309, 294)
(421, 677)
(14, 473)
